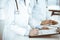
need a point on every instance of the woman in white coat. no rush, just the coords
(16, 25)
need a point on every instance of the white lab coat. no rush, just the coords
(19, 30)
(38, 12)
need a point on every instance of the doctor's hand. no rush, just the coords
(51, 22)
(34, 32)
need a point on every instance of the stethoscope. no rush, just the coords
(17, 6)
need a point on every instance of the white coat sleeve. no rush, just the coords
(34, 23)
(19, 30)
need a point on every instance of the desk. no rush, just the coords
(53, 12)
(54, 37)
(46, 37)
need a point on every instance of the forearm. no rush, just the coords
(34, 23)
(19, 30)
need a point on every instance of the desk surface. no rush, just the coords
(43, 36)
(54, 37)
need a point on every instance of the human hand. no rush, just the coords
(45, 28)
(45, 22)
(51, 22)
(34, 32)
